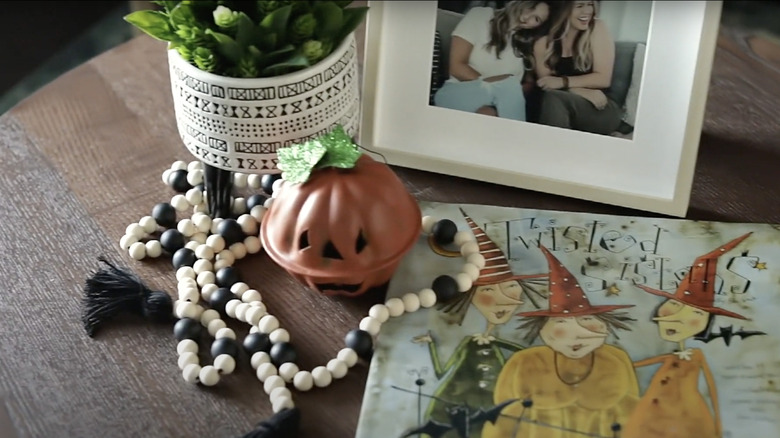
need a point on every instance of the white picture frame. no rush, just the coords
(653, 171)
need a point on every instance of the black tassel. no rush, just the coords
(113, 290)
(283, 424)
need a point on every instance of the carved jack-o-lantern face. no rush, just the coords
(343, 231)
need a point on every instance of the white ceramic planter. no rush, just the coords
(238, 124)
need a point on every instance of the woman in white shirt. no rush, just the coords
(486, 69)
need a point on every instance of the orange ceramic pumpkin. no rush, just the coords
(343, 231)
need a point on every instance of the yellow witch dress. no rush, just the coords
(565, 404)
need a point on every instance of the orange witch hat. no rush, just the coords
(697, 288)
(497, 269)
(566, 296)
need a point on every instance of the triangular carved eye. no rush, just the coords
(330, 251)
(360, 243)
(303, 241)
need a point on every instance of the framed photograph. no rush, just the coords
(598, 100)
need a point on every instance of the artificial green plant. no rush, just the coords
(250, 39)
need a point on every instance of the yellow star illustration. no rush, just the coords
(760, 266)
(613, 290)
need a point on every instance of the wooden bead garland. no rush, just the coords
(198, 283)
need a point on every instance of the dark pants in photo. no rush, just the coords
(568, 110)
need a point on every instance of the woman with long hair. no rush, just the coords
(574, 64)
(489, 51)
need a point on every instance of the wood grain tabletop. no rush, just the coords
(82, 158)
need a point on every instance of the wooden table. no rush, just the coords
(82, 159)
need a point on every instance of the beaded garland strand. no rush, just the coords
(203, 253)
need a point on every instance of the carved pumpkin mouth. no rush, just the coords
(338, 288)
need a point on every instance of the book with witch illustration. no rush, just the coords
(583, 325)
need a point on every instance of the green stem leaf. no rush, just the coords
(153, 23)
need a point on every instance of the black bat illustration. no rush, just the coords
(728, 332)
(462, 419)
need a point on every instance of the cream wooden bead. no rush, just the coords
(192, 244)
(303, 381)
(268, 203)
(254, 181)
(187, 358)
(136, 230)
(469, 248)
(271, 383)
(153, 249)
(226, 255)
(216, 242)
(219, 264)
(207, 316)
(241, 310)
(463, 237)
(179, 165)
(267, 324)
(251, 296)
(259, 358)
(464, 281)
(206, 277)
(186, 346)
(189, 294)
(348, 356)
(282, 403)
(253, 329)
(194, 196)
(239, 288)
(287, 371)
(201, 208)
(137, 251)
(215, 325)
(476, 259)
(240, 180)
(248, 224)
(253, 315)
(380, 312)
(204, 251)
(194, 165)
(226, 332)
(148, 224)
(199, 237)
(165, 175)
(411, 302)
(187, 282)
(186, 227)
(253, 244)
(214, 224)
(427, 224)
(203, 265)
(191, 373)
(187, 309)
(281, 391)
(265, 370)
(208, 376)
(238, 207)
(322, 376)
(277, 185)
(338, 368)
(371, 325)
(258, 212)
(225, 363)
(195, 177)
(180, 203)
(427, 298)
(239, 250)
(231, 306)
(472, 270)
(279, 335)
(126, 241)
(207, 290)
(395, 306)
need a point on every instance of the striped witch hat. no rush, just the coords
(496, 268)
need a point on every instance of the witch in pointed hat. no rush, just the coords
(576, 383)
(470, 372)
(672, 405)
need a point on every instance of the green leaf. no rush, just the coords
(329, 19)
(167, 5)
(245, 35)
(342, 151)
(353, 17)
(271, 58)
(226, 46)
(296, 62)
(153, 23)
(298, 161)
(182, 15)
(276, 21)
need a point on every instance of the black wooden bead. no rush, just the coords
(183, 257)
(254, 201)
(178, 181)
(283, 352)
(172, 240)
(219, 298)
(257, 342)
(267, 182)
(444, 231)
(361, 342)
(227, 276)
(231, 231)
(164, 214)
(187, 328)
(445, 287)
(224, 346)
